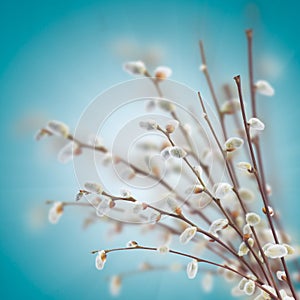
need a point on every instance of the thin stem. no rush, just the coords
(238, 82)
(142, 172)
(239, 198)
(183, 131)
(199, 260)
(217, 201)
(249, 34)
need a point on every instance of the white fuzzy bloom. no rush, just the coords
(244, 166)
(204, 200)
(95, 201)
(115, 285)
(252, 219)
(192, 269)
(100, 259)
(247, 229)
(42, 133)
(269, 189)
(177, 152)
(263, 87)
(125, 193)
(281, 275)
(222, 190)
(289, 249)
(137, 207)
(187, 128)
(154, 218)
(162, 72)
(236, 292)
(217, 225)
(55, 212)
(270, 289)
(249, 287)
(199, 171)
(173, 204)
(233, 144)
(93, 187)
(275, 251)
(203, 68)
(67, 153)
(207, 282)
(58, 128)
(80, 194)
(239, 221)
(246, 194)
(230, 106)
(135, 67)
(171, 126)
(163, 249)
(149, 124)
(256, 124)
(284, 295)
(195, 189)
(270, 209)
(166, 105)
(187, 235)
(165, 153)
(243, 249)
(107, 159)
(242, 283)
(103, 206)
(132, 244)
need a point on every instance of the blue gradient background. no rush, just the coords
(58, 55)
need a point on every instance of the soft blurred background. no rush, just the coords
(56, 56)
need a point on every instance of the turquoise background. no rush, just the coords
(58, 55)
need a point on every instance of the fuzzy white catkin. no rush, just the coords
(171, 126)
(242, 283)
(246, 194)
(281, 275)
(243, 249)
(252, 219)
(222, 190)
(115, 285)
(93, 187)
(162, 72)
(249, 287)
(58, 128)
(163, 249)
(100, 260)
(247, 229)
(207, 282)
(230, 106)
(135, 67)
(233, 144)
(256, 124)
(276, 251)
(217, 225)
(68, 152)
(192, 269)
(55, 212)
(177, 152)
(270, 289)
(187, 235)
(244, 166)
(263, 87)
(148, 124)
(204, 200)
